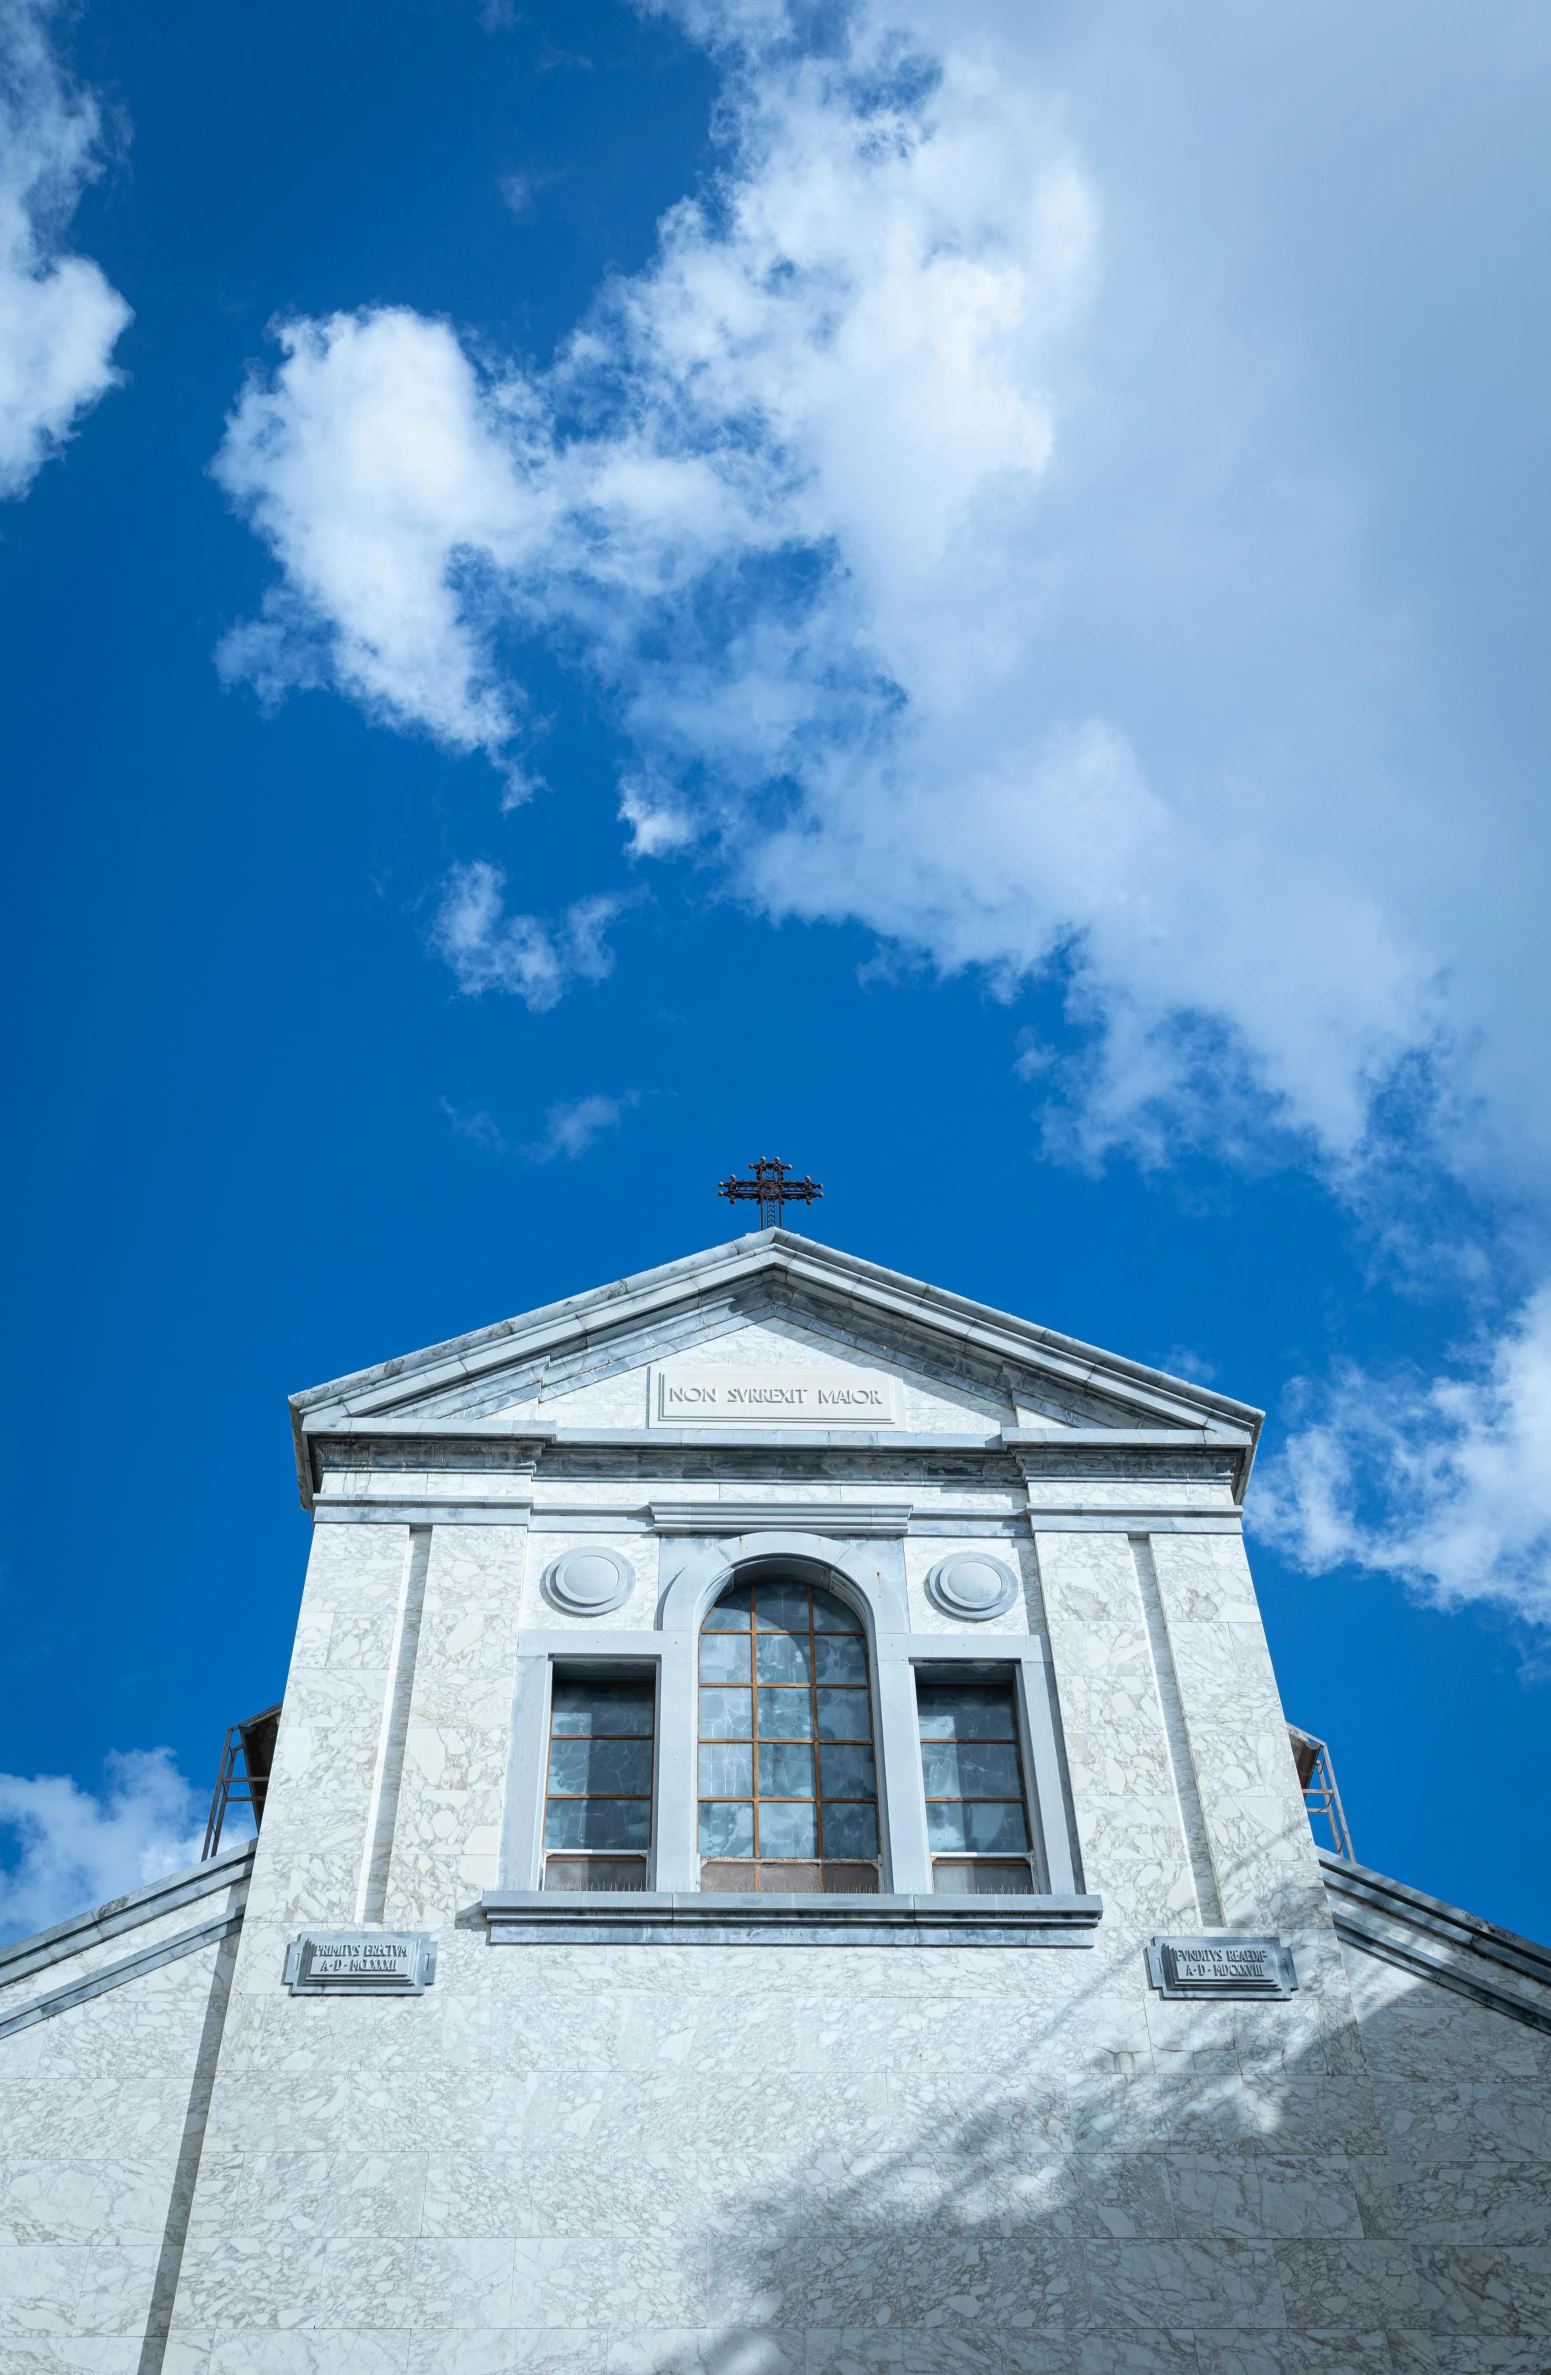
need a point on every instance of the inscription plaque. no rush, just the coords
(772, 1397)
(1221, 1966)
(360, 1963)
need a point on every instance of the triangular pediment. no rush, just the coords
(772, 1305)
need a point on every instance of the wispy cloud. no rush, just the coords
(480, 1128)
(1444, 1481)
(59, 318)
(66, 1850)
(520, 955)
(570, 1129)
(1181, 1361)
(520, 189)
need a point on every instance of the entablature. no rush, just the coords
(1159, 1468)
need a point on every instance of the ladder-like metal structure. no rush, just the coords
(244, 1776)
(1317, 1780)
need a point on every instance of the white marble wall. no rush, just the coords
(100, 2114)
(447, 1837)
(636, 2160)
(1464, 2099)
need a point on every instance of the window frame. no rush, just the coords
(895, 1655)
(586, 1671)
(998, 1674)
(747, 1580)
(543, 1660)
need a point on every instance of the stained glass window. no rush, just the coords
(976, 1812)
(598, 1800)
(788, 1787)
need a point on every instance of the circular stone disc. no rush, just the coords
(590, 1580)
(972, 1585)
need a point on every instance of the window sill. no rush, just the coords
(534, 1917)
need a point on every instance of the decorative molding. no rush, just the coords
(972, 1585)
(376, 1509)
(992, 1350)
(85, 1930)
(534, 1917)
(589, 1582)
(737, 1518)
(1448, 1975)
(1143, 1518)
(879, 1598)
(1368, 1908)
(111, 1975)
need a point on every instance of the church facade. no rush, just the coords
(783, 1857)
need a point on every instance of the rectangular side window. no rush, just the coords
(977, 1819)
(598, 1797)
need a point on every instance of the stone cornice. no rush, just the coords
(93, 1928)
(1439, 1942)
(997, 1345)
(532, 1917)
(524, 1450)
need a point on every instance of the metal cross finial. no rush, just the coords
(770, 1189)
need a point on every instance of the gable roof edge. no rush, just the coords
(850, 1275)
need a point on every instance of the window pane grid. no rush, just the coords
(786, 1758)
(972, 1773)
(598, 1797)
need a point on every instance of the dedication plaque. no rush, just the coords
(360, 1963)
(1224, 1965)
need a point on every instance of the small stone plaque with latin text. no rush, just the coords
(360, 1962)
(704, 1397)
(1224, 1965)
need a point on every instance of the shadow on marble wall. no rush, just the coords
(1216, 2210)
(789, 2163)
(169, 2258)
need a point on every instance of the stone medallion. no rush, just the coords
(971, 1584)
(589, 1582)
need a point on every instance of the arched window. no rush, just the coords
(788, 1786)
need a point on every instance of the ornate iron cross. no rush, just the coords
(770, 1189)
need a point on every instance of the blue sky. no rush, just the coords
(958, 596)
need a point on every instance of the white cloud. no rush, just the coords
(1446, 1482)
(59, 318)
(570, 1129)
(657, 827)
(377, 472)
(1070, 498)
(67, 1850)
(520, 954)
(815, 532)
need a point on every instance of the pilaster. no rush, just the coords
(1128, 1818)
(447, 1829)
